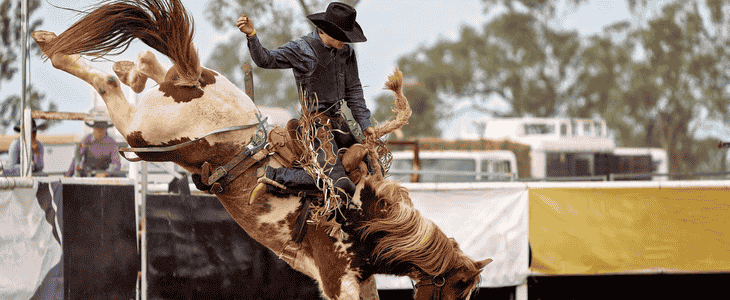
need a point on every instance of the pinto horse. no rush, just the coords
(189, 102)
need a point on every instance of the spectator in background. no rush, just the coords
(97, 154)
(36, 147)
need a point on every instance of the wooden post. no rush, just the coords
(248, 80)
(55, 115)
(416, 158)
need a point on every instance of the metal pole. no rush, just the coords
(140, 172)
(9, 183)
(25, 142)
(143, 212)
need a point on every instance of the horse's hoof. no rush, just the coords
(129, 75)
(42, 38)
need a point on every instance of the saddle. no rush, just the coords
(285, 150)
(288, 150)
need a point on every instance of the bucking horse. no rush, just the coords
(199, 120)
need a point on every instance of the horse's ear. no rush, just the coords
(483, 263)
(470, 274)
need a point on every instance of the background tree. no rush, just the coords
(660, 98)
(427, 111)
(10, 48)
(276, 25)
(654, 80)
(517, 57)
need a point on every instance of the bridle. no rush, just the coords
(437, 281)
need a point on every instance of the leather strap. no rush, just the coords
(183, 144)
(437, 281)
(224, 175)
(301, 224)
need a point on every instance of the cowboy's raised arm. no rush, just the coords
(295, 54)
(354, 93)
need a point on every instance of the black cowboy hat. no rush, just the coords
(99, 124)
(33, 126)
(339, 23)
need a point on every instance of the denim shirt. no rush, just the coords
(330, 73)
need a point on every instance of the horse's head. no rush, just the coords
(456, 283)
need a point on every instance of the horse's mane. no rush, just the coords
(162, 25)
(408, 237)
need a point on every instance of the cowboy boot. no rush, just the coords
(266, 184)
(353, 156)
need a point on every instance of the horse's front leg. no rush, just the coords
(105, 84)
(338, 280)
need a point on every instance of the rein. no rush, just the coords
(437, 281)
(183, 144)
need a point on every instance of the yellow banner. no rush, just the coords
(616, 230)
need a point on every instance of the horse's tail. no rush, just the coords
(402, 108)
(162, 25)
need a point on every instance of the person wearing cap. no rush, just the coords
(36, 147)
(98, 153)
(324, 67)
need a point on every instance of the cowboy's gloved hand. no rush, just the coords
(244, 24)
(370, 133)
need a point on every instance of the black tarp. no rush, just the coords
(196, 251)
(101, 260)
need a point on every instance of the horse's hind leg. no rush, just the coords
(105, 84)
(135, 75)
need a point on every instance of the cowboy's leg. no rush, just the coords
(294, 179)
(333, 165)
(345, 138)
(299, 179)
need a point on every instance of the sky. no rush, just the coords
(393, 28)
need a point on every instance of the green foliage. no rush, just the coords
(516, 58)
(652, 102)
(647, 101)
(10, 48)
(425, 109)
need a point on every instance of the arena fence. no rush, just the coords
(191, 247)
